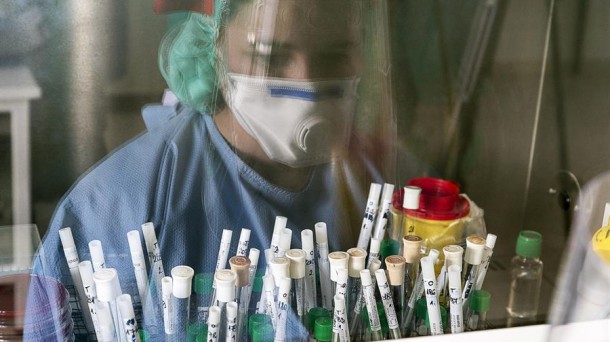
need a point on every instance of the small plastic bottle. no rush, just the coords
(323, 330)
(479, 305)
(526, 275)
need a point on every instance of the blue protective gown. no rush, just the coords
(185, 178)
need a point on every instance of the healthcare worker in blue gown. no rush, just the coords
(263, 128)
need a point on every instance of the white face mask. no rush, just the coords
(297, 123)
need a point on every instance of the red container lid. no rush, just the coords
(440, 200)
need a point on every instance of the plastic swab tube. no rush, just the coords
(69, 247)
(370, 212)
(108, 289)
(388, 304)
(182, 282)
(455, 299)
(128, 318)
(154, 256)
(418, 290)
(283, 306)
(168, 310)
(384, 212)
(368, 291)
(244, 241)
(246, 294)
(270, 306)
(490, 242)
(472, 261)
(285, 241)
(278, 227)
(139, 265)
(395, 265)
(97, 255)
(297, 274)
(434, 312)
(323, 264)
(213, 324)
(223, 256)
(373, 251)
(231, 324)
(86, 273)
(105, 321)
(310, 270)
(340, 324)
(337, 260)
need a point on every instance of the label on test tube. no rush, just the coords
(130, 327)
(97, 255)
(322, 244)
(374, 250)
(386, 298)
(225, 246)
(86, 272)
(231, 333)
(244, 240)
(369, 216)
(340, 324)
(278, 227)
(154, 252)
(342, 277)
(139, 265)
(213, 324)
(310, 269)
(455, 299)
(368, 292)
(270, 308)
(166, 302)
(283, 306)
(434, 313)
(337, 260)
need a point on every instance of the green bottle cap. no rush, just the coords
(324, 329)
(529, 244)
(202, 283)
(257, 284)
(203, 337)
(144, 335)
(263, 333)
(389, 247)
(256, 320)
(479, 301)
(195, 330)
(443, 317)
(314, 314)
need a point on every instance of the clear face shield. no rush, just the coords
(292, 72)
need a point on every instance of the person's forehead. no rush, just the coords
(305, 17)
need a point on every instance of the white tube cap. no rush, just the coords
(280, 268)
(374, 265)
(365, 278)
(307, 240)
(337, 260)
(86, 273)
(254, 255)
(357, 258)
(106, 281)
(433, 255)
(97, 254)
(395, 265)
(475, 246)
(374, 192)
(166, 287)
(427, 268)
(411, 197)
(125, 306)
(490, 240)
(453, 255)
(150, 237)
(321, 232)
(285, 239)
(182, 277)
(67, 240)
(297, 263)
(214, 315)
(232, 311)
(375, 246)
(135, 246)
(339, 302)
(225, 285)
(280, 224)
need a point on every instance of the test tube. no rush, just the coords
(107, 333)
(244, 240)
(283, 306)
(434, 312)
(370, 212)
(337, 260)
(395, 264)
(139, 265)
(342, 279)
(241, 266)
(128, 317)
(410, 201)
(472, 261)
(168, 309)
(455, 299)
(154, 255)
(368, 291)
(182, 282)
(213, 324)
(388, 303)
(374, 249)
(225, 291)
(490, 242)
(411, 251)
(270, 306)
(278, 227)
(223, 256)
(231, 324)
(86, 273)
(285, 241)
(453, 256)
(418, 290)
(341, 331)
(244, 300)
(297, 274)
(108, 289)
(97, 255)
(310, 270)
(269, 255)
(323, 264)
(355, 298)
(479, 305)
(384, 211)
(69, 247)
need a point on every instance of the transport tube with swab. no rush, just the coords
(270, 305)
(342, 279)
(128, 318)
(285, 241)
(231, 324)
(368, 292)
(139, 266)
(261, 306)
(246, 294)
(86, 273)
(395, 264)
(283, 306)
(311, 292)
(473, 256)
(341, 331)
(382, 218)
(297, 274)
(182, 282)
(374, 249)
(213, 324)
(490, 243)
(97, 255)
(455, 299)
(105, 322)
(453, 256)
(244, 240)
(69, 247)
(388, 304)
(223, 256)
(434, 311)
(410, 201)
(418, 290)
(323, 264)
(154, 256)
(225, 290)
(278, 227)
(357, 258)
(108, 289)
(168, 310)
(337, 260)
(370, 212)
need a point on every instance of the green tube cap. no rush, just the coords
(256, 320)
(202, 283)
(389, 247)
(479, 300)
(195, 330)
(314, 314)
(144, 335)
(263, 333)
(529, 244)
(421, 308)
(324, 329)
